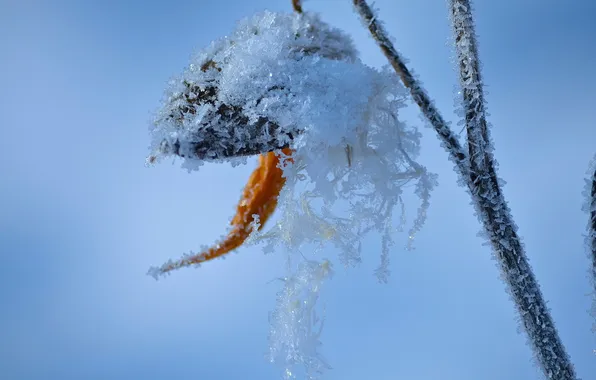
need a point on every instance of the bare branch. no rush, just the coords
(494, 211)
(449, 139)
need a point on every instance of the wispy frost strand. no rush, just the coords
(494, 212)
(240, 95)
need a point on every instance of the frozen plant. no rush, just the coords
(590, 208)
(279, 81)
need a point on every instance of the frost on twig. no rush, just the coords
(494, 212)
(590, 208)
(332, 201)
(295, 326)
(239, 95)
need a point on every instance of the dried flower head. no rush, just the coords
(292, 81)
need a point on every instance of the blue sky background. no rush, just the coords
(82, 219)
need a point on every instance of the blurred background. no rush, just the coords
(82, 218)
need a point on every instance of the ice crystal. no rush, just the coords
(241, 94)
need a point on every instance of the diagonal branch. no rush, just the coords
(449, 139)
(493, 209)
(593, 221)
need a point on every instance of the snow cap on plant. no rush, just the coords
(226, 103)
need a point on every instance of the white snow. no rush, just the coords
(351, 161)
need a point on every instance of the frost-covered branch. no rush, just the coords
(593, 237)
(494, 212)
(590, 208)
(449, 139)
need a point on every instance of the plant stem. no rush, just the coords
(591, 238)
(477, 169)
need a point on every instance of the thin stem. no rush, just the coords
(593, 221)
(591, 239)
(494, 211)
(297, 6)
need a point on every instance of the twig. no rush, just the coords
(494, 211)
(449, 139)
(591, 238)
(482, 182)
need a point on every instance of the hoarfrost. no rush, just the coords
(295, 325)
(493, 211)
(243, 93)
(589, 207)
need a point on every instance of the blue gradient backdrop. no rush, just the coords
(82, 219)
